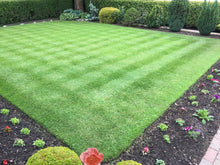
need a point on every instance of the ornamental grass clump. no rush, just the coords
(208, 18)
(177, 14)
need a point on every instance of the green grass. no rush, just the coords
(98, 85)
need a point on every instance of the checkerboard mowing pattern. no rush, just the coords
(98, 85)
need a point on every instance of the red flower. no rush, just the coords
(5, 161)
(7, 129)
(91, 157)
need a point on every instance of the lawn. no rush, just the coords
(98, 85)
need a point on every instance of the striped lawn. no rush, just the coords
(98, 85)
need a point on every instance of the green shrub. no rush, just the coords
(68, 17)
(128, 162)
(71, 11)
(12, 11)
(154, 18)
(177, 14)
(208, 18)
(93, 12)
(54, 156)
(15, 121)
(119, 15)
(131, 16)
(106, 15)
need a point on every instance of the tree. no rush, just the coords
(177, 14)
(78, 5)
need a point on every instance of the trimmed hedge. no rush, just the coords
(12, 11)
(147, 5)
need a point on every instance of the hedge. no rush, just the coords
(146, 5)
(12, 11)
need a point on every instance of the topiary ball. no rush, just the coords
(54, 156)
(128, 162)
(106, 15)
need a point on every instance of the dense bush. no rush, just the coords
(106, 15)
(26, 10)
(93, 12)
(54, 156)
(208, 18)
(147, 5)
(131, 16)
(154, 18)
(177, 14)
(119, 15)
(128, 162)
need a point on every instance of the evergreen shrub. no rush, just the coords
(131, 16)
(106, 15)
(208, 18)
(177, 14)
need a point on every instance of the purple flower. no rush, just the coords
(197, 130)
(187, 129)
(217, 97)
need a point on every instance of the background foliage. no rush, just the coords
(12, 11)
(147, 5)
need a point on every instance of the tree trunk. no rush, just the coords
(78, 5)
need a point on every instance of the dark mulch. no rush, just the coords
(183, 150)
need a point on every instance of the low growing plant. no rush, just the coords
(193, 134)
(39, 143)
(25, 131)
(7, 129)
(205, 91)
(215, 99)
(15, 121)
(195, 103)
(19, 142)
(166, 138)
(160, 162)
(192, 98)
(209, 77)
(163, 127)
(4, 111)
(204, 115)
(180, 121)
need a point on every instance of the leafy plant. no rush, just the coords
(131, 16)
(160, 162)
(153, 19)
(166, 138)
(25, 131)
(177, 14)
(193, 134)
(119, 15)
(204, 115)
(192, 98)
(19, 142)
(205, 91)
(4, 111)
(93, 13)
(68, 17)
(15, 121)
(180, 121)
(71, 11)
(195, 103)
(39, 143)
(208, 18)
(215, 99)
(209, 77)
(163, 127)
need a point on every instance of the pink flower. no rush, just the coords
(202, 85)
(187, 129)
(146, 149)
(213, 70)
(212, 79)
(217, 80)
(91, 157)
(182, 108)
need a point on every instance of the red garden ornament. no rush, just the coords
(91, 157)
